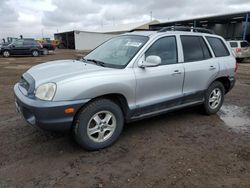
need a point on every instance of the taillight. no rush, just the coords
(236, 66)
(238, 50)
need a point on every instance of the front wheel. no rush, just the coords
(98, 125)
(214, 98)
(35, 53)
(6, 53)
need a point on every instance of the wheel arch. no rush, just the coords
(225, 81)
(6, 50)
(117, 98)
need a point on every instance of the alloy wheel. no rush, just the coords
(101, 126)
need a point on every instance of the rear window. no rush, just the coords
(244, 44)
(218, 46)
(194, 48)
(233, 44)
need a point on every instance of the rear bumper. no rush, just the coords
(242, 55)
(47, 115)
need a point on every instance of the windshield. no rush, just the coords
(118, 51)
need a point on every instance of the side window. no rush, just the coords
(165, 48)
(18, 43)
(206, 52)
(27, 43)
(194, 48)
(218, 46)
(233, 44)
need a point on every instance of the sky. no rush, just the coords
(43, 18)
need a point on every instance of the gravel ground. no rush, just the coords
(179, 149)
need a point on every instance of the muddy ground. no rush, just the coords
(180, 149)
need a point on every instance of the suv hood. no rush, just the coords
(59, 70)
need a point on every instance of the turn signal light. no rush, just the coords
(69, 110)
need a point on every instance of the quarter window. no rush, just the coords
(233, 44)
(165, 48)
(194, 48)
(218, 46)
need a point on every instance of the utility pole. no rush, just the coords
(151, 15)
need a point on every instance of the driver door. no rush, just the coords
(17, 48)
(160, 87)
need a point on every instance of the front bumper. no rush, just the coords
(47, 115)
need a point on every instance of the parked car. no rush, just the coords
(241, 49)
(22, 47)
(129, 77)
(48, 47)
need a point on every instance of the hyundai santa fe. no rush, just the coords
(129, 77)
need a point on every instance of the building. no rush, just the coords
(81, 40)
(230, 26)
(123, 28)
(88, 40)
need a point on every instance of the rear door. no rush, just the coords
(160, 87)
(200, 67)
(28, 45)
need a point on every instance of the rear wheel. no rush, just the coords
(6, 53)
(239, 60)
(98, 125)
(214, 98)
(45, 51)
(35, 53)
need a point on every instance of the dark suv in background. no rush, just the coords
(22, 47)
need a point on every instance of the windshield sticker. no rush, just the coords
(134, 44)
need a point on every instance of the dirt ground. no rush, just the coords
(179, 149)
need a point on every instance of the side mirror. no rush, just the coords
(151, 61)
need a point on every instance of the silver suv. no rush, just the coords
(127, 78)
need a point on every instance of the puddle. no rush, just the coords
(235, 117)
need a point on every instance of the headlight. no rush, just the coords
(46, 91)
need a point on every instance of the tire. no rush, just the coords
(6, 53)
(239, 60)
(45, 51)
(90, 129)
(35, 53)
(214, 98)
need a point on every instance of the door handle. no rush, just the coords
(212, 67)
(176, 72)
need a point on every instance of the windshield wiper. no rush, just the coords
(97, 62)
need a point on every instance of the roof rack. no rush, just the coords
(186, 28)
